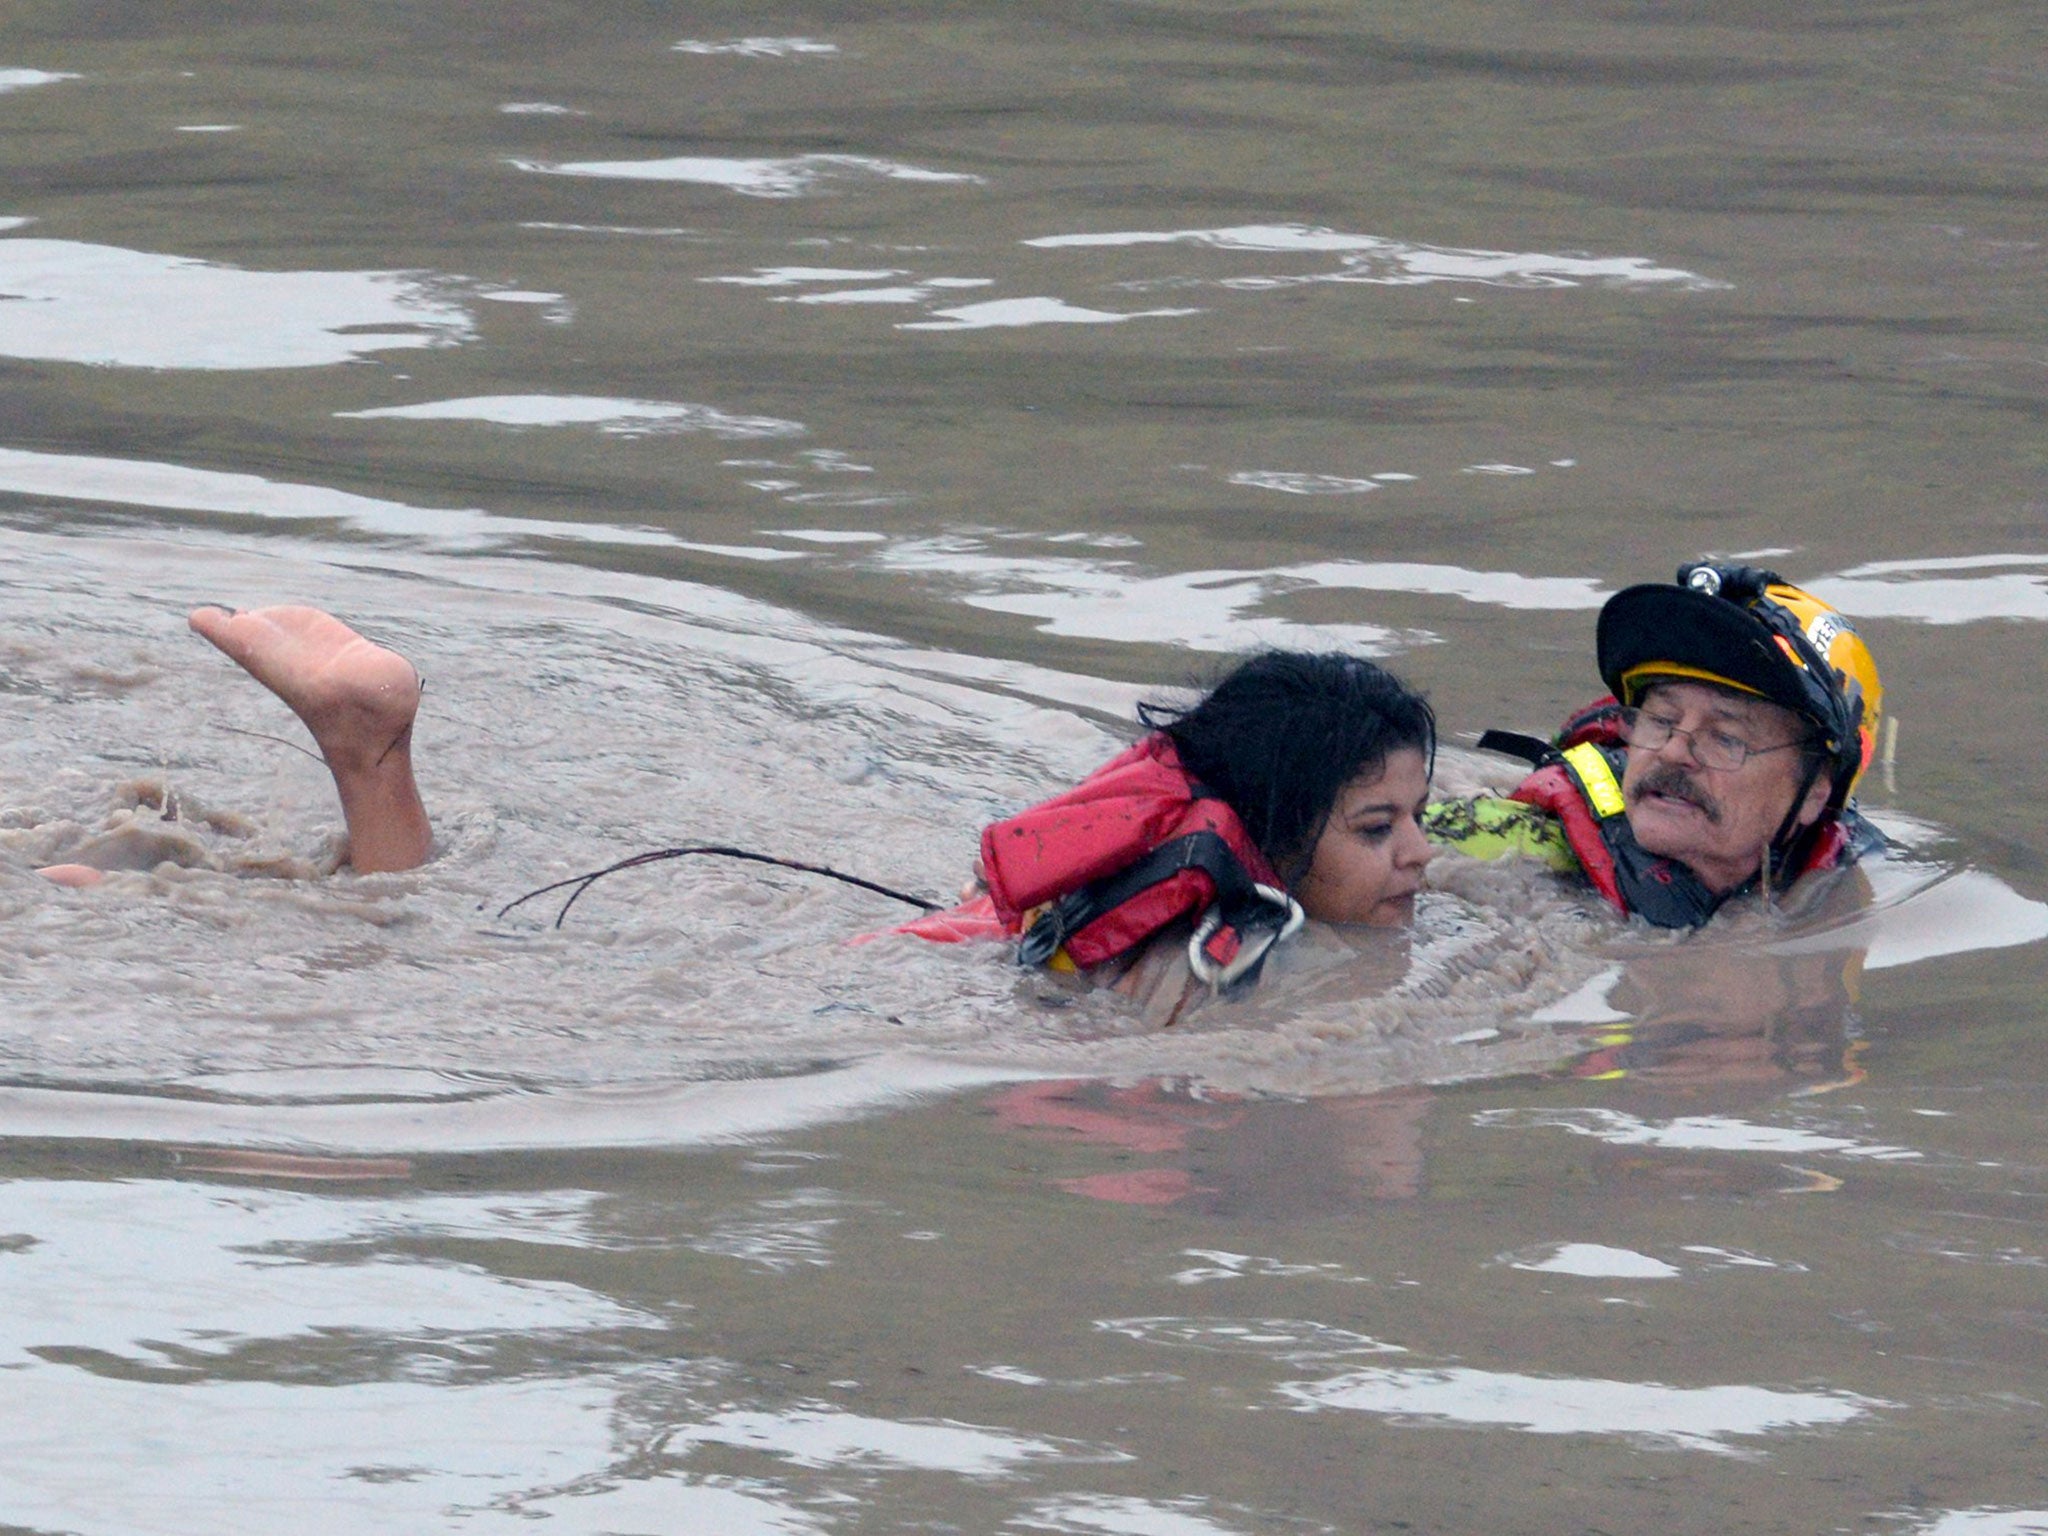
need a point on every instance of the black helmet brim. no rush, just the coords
(1690, 632)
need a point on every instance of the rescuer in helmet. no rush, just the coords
(1743, 712)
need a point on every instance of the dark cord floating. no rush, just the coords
(583, 883)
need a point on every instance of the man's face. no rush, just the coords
(1717, 822)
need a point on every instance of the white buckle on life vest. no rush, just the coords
(1252, 946)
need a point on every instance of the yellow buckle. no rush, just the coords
(1589, 767)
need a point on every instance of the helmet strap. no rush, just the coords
(1790, 833)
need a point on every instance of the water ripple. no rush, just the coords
(794, 176)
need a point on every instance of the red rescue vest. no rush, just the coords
(1093, 873)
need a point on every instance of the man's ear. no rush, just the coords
(1816, 800)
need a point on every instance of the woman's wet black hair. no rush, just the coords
(1282, 734)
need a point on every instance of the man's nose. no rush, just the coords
(1678, 747)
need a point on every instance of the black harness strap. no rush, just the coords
(1206, 851)
(1533, 750)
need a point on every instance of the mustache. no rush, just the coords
(1669, 779)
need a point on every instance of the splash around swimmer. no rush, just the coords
(359, 701)
(1742, 712)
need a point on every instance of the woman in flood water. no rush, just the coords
(1294, 789)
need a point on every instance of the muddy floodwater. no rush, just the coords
(815, 431)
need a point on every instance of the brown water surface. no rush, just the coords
(815, 433)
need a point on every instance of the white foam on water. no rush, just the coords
(26, 79)
(520, 296)
(998, 313)
(1371, 259)
(624, 418)
(539, 109)
(1596, 1260)
(792, 176)
(1695, 1418)
(65, 301)
(760, 47)
(209, 128)
(1497, 469)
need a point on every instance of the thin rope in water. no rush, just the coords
(658, 855)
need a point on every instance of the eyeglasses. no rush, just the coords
(1710, 748)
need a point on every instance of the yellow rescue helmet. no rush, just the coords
(1747, 628)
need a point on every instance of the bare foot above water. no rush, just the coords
(358, 699)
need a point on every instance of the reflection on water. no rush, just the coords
(1598, 1259)
(623, 418)
(1983, 1522)
(1697, 1418)
(64, 301)
(22, 79)
(1694, 1133)
(172, 487)
(1032, 311)
(798, 176)
(1370, 259)
(1912, 589)
(762, 47)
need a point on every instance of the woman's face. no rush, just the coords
(1368, 863)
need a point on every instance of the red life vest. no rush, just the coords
(1093, 873)
(1578, 780)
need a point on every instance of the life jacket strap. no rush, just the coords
(1243, 920)
(1533, 750)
